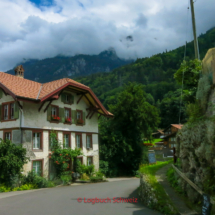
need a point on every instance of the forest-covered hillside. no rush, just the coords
(155, 73)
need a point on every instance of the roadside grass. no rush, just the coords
(175, 185)
(164, 202)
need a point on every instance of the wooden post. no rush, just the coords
(196, 46)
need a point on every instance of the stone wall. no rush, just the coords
(146, 192)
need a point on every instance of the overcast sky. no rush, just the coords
(39, 29)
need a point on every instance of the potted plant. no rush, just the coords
(68, 120)
(80, 121)
(57, 118)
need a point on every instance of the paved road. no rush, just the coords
(63, 200)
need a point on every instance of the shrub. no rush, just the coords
(99, 174)
(3, 188)
(81, 168)
(84, 177)
(36, 180)
(103, 166)
(24, 187)
(66, 179)
(96, 178)
(12, 159)
(89, 170)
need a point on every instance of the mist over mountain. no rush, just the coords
(58, 67)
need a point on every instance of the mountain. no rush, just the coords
(58, 67)
(155, 74)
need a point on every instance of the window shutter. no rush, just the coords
(74, 116)
(62, 114)
(1, 93)
(71, 99)
(84, 118)
(63, 97)
(16, 111)
(49, 113)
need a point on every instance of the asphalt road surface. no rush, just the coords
(64, 200)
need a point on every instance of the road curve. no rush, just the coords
(63, 200)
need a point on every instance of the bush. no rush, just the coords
(84, 177)
(12, 159)
(99, 174)
(66, 179)
(36, 180)
(103, 167)
(3, 188)
(96, 179)
(24, 187)
(89, 170)
(81, 168)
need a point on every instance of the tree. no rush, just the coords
(12, 159)
(170, 109)
(121, 138)
(190, 71)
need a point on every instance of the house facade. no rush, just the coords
(170, 132)
(30, 111)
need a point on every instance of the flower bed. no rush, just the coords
(80, 121)
(55, 118)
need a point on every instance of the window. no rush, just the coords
(5, 112)
(7, 135)
(173, 139)
(37, 167)
(79, 117)
(9, 111)
(67, 113)
(51, 140)
(12, 111)
(66, 140)
(67, 98)
(89, 141)
(54, 111)
(89, 161)
(78, 140)
(37, 140)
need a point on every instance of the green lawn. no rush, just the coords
(153, 141)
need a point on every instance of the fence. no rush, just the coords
(191, 183)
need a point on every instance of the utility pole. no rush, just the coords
(196, 46)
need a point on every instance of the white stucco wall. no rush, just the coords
(35, 119)
(32, 119)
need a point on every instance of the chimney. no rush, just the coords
(19, 71)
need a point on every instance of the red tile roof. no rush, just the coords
(179, 126)
(20, 87)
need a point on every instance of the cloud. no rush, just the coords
(70, 27)
(141, 20)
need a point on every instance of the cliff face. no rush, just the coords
(50, 69)
(196, 142)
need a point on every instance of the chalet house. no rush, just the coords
(158, 134)
(31, 110)
(170, 135)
